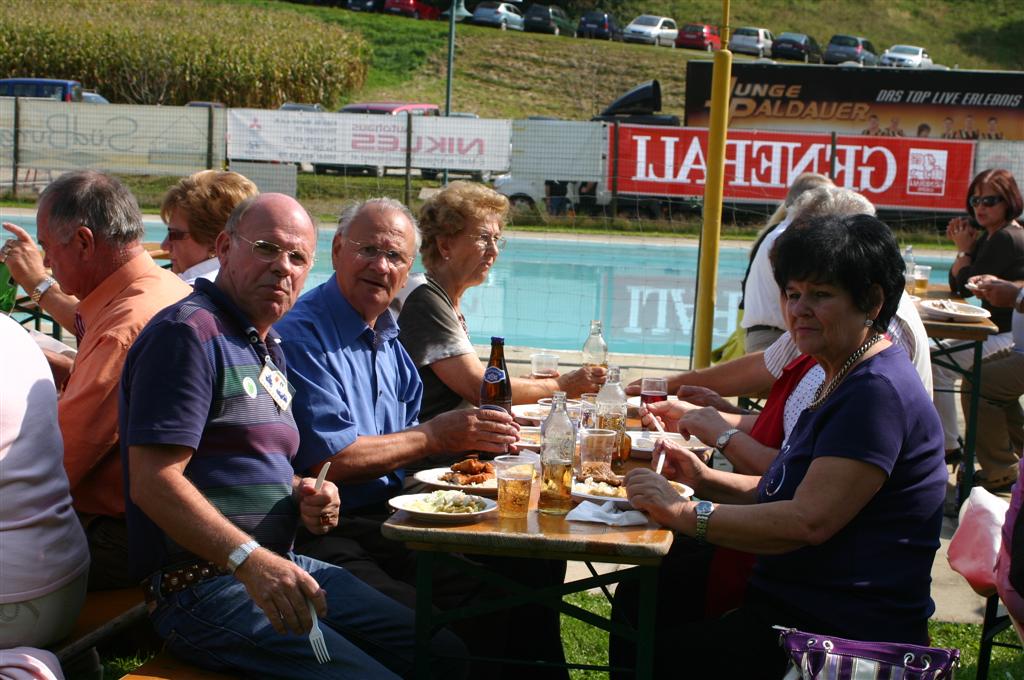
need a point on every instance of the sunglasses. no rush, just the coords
(265, 251)
(177, 235)
(987, 201)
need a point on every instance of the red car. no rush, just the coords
(412, 8)
(699, 37)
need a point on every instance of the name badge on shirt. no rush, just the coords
(276, 384)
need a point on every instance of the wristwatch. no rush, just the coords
(41, 288)
(703, 510)
(962, 253)
(723, 439)
(240, 555)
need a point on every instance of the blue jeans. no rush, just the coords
(216, 625)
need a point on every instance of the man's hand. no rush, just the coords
(651, 493)
(319, 510)
(995, 291)
(280, 588)
(473, 430)
(582, 380)
(703, 396)
(23, 258)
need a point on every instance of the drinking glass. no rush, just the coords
(544, 365)
(653, 390)
(515, 475)
(597, 447)
(922, 273)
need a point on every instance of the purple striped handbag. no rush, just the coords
(826, 657)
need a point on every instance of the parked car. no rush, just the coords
(45, 88)
(850, 48)
(699, 37)
(652, 30)
(89, 97)
(296, 106)
(549, 19)
(600, 25)
(414, 9)
(380, 109)
(799, 46)
(365, 5)
(501, 15)
(906, 56)
(751, 40)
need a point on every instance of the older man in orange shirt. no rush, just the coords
(90, 227)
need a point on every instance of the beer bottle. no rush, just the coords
(496, 389)
(595, 349)
(611, 415)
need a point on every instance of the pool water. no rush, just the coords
(544, 292)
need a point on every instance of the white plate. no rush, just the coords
(433, 478)
(635, 401)
(529, 445)
(622, 503)
(643, 442)
(402, 502)
(530, 412)
(948, 310)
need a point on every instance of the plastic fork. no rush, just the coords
(316, 636)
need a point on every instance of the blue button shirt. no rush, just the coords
(350, 380)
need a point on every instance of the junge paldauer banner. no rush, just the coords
(884, 102)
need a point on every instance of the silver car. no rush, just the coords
(906, 56)
(750, 40)
(499, 15)
(652, 30)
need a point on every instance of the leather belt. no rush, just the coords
(176, 579)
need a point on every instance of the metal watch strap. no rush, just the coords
(41, 288)
(703, 510)
(240, 554)
(724, 438)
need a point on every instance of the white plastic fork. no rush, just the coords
(316, 636)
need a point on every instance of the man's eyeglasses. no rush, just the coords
(265, 251)
(371, 253)
(485, 241)
(987, 201)
(177, 234)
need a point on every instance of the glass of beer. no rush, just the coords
(922, 273)
(596, 449)
(653, 390)
(544, 365)
(555, 487)
(515, 482)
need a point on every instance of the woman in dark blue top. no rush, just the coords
(846, 520)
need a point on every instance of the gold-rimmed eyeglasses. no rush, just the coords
(266, 251)
(371, 253)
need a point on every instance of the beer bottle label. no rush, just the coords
(493, 375)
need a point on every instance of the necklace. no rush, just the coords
(826, 389)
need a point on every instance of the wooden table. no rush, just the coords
(973, 334)
(537, 536)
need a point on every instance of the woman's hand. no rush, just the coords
(706, 424)
(681, 464)
(702, 396)
(651, 493)
(668, 414)
(994, 290)
(962, 233)
(582, 380)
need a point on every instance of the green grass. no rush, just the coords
(585, 644)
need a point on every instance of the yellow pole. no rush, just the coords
(707, 272)
(725, 30)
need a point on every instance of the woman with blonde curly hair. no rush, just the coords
(195, 211)
(461, 227)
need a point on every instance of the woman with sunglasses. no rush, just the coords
(461, 227)
(195, 210)
(988, 241)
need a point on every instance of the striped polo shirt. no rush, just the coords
(192, 379)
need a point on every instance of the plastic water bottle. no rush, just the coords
(611, 414)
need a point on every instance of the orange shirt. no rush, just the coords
(113, 315)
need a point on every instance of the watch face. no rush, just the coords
(705, 507)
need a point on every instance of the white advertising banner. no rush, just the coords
(368, 140)
(559, 149)
(130, 139)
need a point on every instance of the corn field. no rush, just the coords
(173, 51)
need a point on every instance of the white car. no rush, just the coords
(652, 30)
(906, 56)
(751, 40)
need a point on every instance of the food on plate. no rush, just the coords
(593, 487)
(469, 472)
(601, 472)
(451, 502)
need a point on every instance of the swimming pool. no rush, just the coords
(543, 292)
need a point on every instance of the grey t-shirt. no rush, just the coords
(431, 330)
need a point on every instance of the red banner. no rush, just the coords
(892, 172)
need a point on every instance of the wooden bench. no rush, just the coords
(165, 666)
(104, 614)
